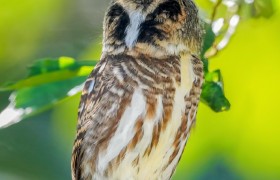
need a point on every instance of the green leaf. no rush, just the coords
(49, 82)
(213, 93)
(50, 70)
(214, 76)
(49, 65)
(43, 66)
(46, 94)
(263, 8)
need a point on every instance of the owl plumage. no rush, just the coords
(140, 102)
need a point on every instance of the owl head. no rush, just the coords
(154, 27)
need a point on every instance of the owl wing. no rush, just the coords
(93, 90)
(192, 99)
(104, 99)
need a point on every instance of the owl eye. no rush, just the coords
(115, 12)
(149, 32)
(118, 18)
(171, 9)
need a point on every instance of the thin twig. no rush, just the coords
(215, 9)
(215, 49)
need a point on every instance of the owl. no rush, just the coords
(139, 104)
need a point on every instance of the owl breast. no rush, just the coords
(154, 128)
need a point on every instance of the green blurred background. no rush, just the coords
(243, 143)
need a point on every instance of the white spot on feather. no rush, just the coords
(176, 49)
(118, 74)
(90, 88)
(81, 107)
(102, 67)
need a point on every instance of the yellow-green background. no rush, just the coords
(243, 143)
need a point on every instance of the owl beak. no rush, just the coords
(143, 2)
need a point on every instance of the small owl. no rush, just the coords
(139, 103)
